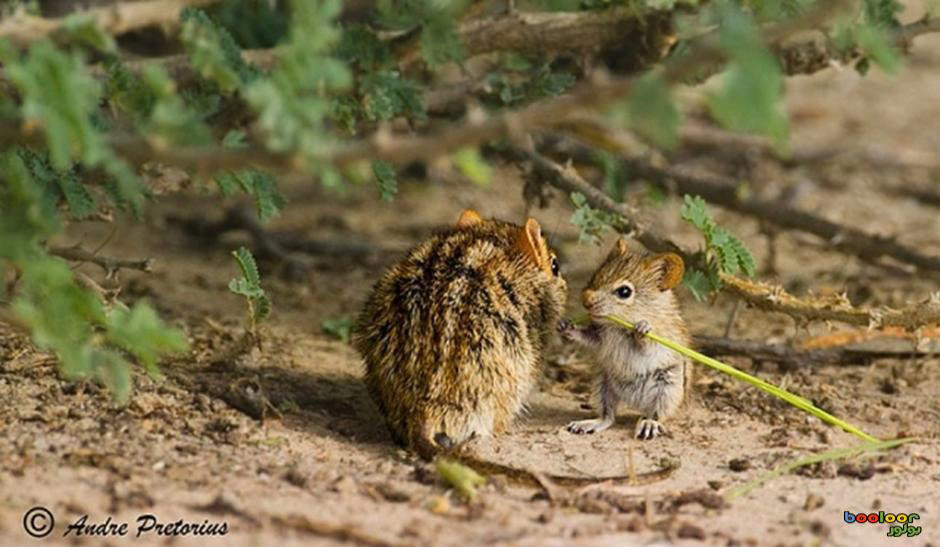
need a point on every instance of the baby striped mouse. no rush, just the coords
(648, 377)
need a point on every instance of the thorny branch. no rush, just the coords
(568, 180)
(763, 296)
(118, 18)
(768, 297)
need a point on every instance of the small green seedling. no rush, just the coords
(249, 286)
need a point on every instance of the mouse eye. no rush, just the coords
(624, 291)
(555, 269)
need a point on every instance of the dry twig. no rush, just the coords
(108, 264)
(22, 29)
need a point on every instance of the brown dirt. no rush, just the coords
(320, 468)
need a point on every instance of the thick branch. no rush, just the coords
(648, 33)
(118, 18)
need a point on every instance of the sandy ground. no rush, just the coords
(321, 469)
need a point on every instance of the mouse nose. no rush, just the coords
(588, 298)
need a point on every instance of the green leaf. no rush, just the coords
(724, 252)
(440, 41)
(235, 138)
(340, 327)
(268, 200)
(472, 165)
(693, 210)
(171, 121)
(27, 213)
(698, 284)
(386, 94)
(882, 13)
(140, 332)
(360, 45)
(58, 312)
(259, 184)
(591, 223)
(248, 266)
(293, 102)
(437, 20)
(127, 91)
(749, 100)
(546, 83)
(83, 29)
(227, 182)
(213, 52)
(386, 178)
(745, 258)
(652, 112)
(59, 95)
(878, 47)
(79, 199)
(114, 372)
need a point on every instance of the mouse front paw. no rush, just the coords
(648, 429)
(642, 328)
(567, 329)
(581, 427)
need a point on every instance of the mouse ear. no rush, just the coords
(671, 269)
(468, 218)
(530, 242)
(621, 247)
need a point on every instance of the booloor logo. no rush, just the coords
(901, 523)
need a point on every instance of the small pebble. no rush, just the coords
(690, 531)
(739, 464)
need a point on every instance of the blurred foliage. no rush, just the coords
(592, 223)
(74, 99)
(340, 327)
